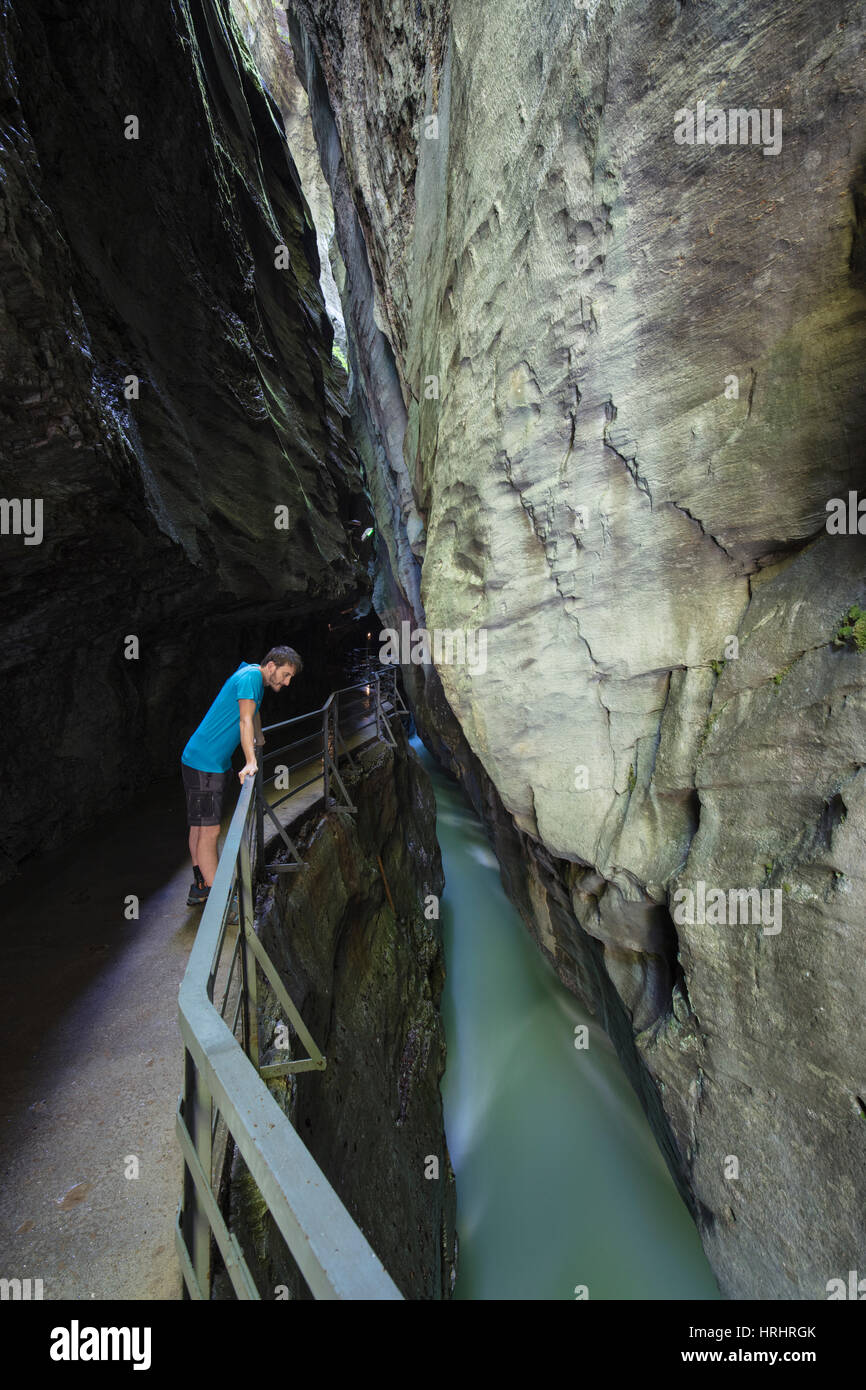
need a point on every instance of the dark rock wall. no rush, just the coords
(367, 981)
(606, 384)
(152, 257)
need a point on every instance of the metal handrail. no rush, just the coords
(382, 688)
(224, 1079)
(344, 690)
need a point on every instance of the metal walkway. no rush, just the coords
(225, 1095)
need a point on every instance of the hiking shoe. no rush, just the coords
(197, 895)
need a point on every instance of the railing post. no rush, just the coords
(259, 866)
(248, 960)
(326, 769)
(198, 1120)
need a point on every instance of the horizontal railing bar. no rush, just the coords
(296, 719)
(295, 743)
(277, 1069)
(315, 737)
(286, 748)
(311, 714)
(303, 762)
(293, 767)
(294, 791)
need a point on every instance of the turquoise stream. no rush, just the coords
(559, 1180)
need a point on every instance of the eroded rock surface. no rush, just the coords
(265, 30)
(605, 385)
(154, 258)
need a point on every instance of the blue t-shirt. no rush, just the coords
(211, 747)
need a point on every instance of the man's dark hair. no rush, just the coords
(285, 656)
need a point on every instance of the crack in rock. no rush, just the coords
(629, 461)
(704, 532)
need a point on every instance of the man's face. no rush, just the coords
(278, 677)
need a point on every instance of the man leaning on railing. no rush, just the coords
(206, 761)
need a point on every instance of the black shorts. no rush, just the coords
(204, 795)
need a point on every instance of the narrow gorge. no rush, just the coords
(519, 346)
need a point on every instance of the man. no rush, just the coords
(206, 761)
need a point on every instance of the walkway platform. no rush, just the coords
(91, 1056)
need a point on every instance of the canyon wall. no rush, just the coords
(265, 31)
(168, 399)
(355, 942)
(605, 382)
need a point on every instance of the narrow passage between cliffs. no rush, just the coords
(560, 1184)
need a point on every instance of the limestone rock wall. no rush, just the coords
(155, 258)
(607, 383)
(264, 27)
(367, 979)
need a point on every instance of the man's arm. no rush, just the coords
(257, 727)
(247, 716)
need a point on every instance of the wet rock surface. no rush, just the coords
(154, 258)
(605, 384)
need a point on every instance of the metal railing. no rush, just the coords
(368, 705)
(225, 1092)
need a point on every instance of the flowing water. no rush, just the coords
(559, 1180)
